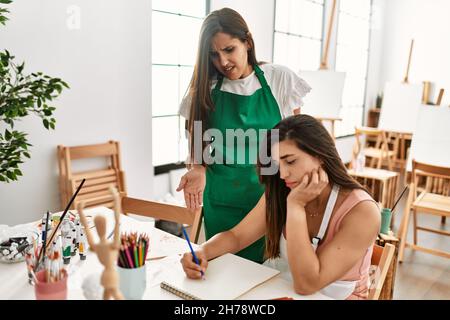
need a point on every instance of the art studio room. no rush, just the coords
(118, 181)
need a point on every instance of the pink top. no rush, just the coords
(360, 271)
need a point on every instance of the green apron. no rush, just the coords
(232, 190)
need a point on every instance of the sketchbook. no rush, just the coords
(226, 278)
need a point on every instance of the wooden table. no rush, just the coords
(382, 184)
(14, 278)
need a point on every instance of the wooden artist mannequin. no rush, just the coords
(107, 252)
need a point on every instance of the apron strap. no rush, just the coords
(219, 82)
(326, 217)
(258, 72)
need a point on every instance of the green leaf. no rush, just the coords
(20, 67)
(10, 175)
(20, 95)
(3, 20)
(8, 135)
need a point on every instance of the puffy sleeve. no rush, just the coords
(295, 89)
(185, 106)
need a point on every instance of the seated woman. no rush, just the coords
(320, 224)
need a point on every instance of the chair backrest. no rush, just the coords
(381, 258)
(432, 174)
(164, 211)
(378, 136)
(97, 181)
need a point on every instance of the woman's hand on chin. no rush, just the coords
(308, 189)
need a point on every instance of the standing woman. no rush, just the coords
(230, 89)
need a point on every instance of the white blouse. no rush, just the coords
(287, 88)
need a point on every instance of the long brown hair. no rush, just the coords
(227, 21)
(311, 137)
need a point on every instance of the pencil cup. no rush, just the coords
(386, 216)
(50, 290)
(132, 282)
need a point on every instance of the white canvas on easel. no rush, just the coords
(431, 139)
(401, 103)
(324, 100)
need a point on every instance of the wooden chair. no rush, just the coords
(97, 181)
(381, 183)
(402, 141)
(428, 203)
(167, 212)
(382, 258)
(157, 210)
(379, 153)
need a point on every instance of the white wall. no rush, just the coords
(107, 63)
(428, 23)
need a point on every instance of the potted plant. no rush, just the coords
(21, 94)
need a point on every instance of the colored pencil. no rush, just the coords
(133, 250)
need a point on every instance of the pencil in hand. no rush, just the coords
(192, 251)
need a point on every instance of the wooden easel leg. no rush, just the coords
(384, 194)
(415, 226)
(403, 230)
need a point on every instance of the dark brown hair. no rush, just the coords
(227, 21)
(311, 137)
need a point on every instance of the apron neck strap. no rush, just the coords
(258, 72)
(219, 81)
(326, 217)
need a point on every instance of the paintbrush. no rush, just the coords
(59, 223)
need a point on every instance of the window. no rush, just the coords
(175, 29)
(352, 54)
(298, 33)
